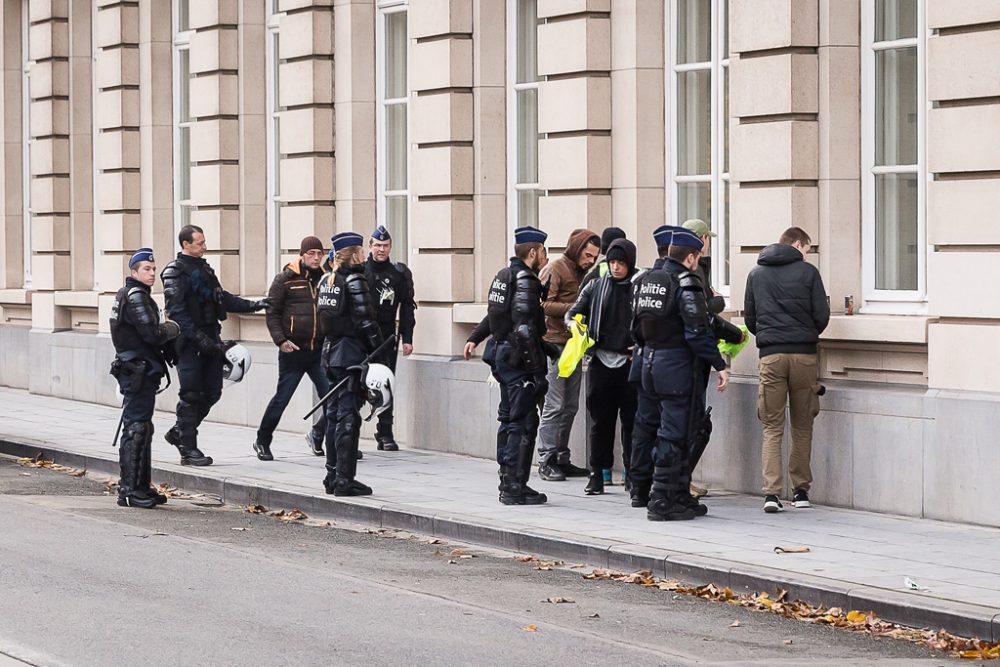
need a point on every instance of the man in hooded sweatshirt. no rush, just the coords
(562, 279)
(785, 307)
(606, 305)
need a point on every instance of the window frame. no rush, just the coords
(272, 76)
(513, 130)
(181, 41)
(883, 301)
(26, 213)
(384, 8)
(718, 177)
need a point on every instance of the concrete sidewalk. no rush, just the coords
(857, 560)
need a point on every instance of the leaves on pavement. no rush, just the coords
(559, 600)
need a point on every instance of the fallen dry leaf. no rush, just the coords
(559, 600)
(256, 509)
(530, 628)
(594, 615)
(237, 528)
(788, 642)
(735, 624)
(791, 550)
(856, 617)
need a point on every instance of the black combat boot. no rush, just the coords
(146, 469)
(639, 494)
(347, 465)
(511, 490)
(130, 458)
(184, 435)
(663, 504)
(684, 496)
(263, 450)
(525, 453)
(386, 443)
(595, 483)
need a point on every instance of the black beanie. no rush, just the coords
(608, 235)
(310, 243)
(622, 250)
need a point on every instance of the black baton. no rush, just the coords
(326, 397)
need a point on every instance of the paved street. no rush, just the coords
(859, 558)
(86, 582)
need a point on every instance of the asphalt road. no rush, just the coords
(85, 582)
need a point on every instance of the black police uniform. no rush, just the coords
(347, 317)
(516, 356)
(676, 328)
(647, 418)
(391, 287)
(196, 301)
(140, 363)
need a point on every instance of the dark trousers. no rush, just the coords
(134, 456)
(520, 395)
(384, 426)
(668, 376)
(647, 422)
(200, 379)
(292, 366)
(343, 424)
(610, 397)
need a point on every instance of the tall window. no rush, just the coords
(698, 124)
(522, 113)
(893, 146)
(182, 115)
(393, 107)
(26, 146)
(273, 138)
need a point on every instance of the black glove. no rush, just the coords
(551, 350)
(205, 344)
(262, 304)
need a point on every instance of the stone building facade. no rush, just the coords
(873, 124)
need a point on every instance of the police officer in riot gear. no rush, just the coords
(517, 358)
(391, 286)
(347, 317)
(675, 328)
(197, 302)
(142, 349)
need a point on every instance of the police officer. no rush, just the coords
(196, 301)
(391, 286)
(516, 357)
(347, 316)
(140, 363)
(647, 414)
(675, 329)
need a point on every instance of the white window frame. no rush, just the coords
(272, 75)
(26, 213)
(719, 177)
(880, 301)
(513, 149)
(181, 42)
(385, 8)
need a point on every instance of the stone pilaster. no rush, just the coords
(574, 116)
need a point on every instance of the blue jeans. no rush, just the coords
(292, 366)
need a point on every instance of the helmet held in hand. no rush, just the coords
(237, 362)
(379, 382)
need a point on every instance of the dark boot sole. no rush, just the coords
(351, 492)
(594, 492)
(261, 454)
(673, 516)
(207, 461)
(512, 500)
(143, 504)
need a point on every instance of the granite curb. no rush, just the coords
(923, 611)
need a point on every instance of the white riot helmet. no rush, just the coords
(379, 382)
(237, 362)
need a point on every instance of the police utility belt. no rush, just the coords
(131, 370)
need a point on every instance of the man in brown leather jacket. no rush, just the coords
(562, 277)
(292, 323)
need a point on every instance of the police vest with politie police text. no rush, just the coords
(654, 303)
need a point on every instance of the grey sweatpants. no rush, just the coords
(561, 404)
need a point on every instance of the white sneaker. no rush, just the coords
(772, 504)
(801, 499)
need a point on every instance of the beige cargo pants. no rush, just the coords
(790, 378)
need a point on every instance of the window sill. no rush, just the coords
(468, 313)
(878, 328)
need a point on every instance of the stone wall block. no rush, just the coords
(217, 139)
(300, 221)
(118, 191)
(50, 156)
(42, 10)
(119, 24)
(577, 45)
(756, 25)
(215, 185)
(444, 277)
(117, 108)
(441, 170)
(117, 149)
(306, 82)
(429, 18)
(839, 22)
(962, 66)
(765, 212)
(957, 210)
(576, 104)
(778, 84)
(964, 138)
(637, 129)
(637, 34)
(49, 117)
(951, 13)
(305, 34)
(222, 229)
(962, 372)
(118, 231)
(778, 151)
(117, 67)
(214, 50)
(50, 194)
(49, 40)
(208, 13)
(443, 117)
(552, 8)
(560, 214)
(574, 162)
(840, 117)
(308, 179)
(950, 293)
(442, 223)
(214, 95)
(443, 63)
(49, 78)
(308, 130)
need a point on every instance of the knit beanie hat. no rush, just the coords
(608, 235)
(310, 243)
